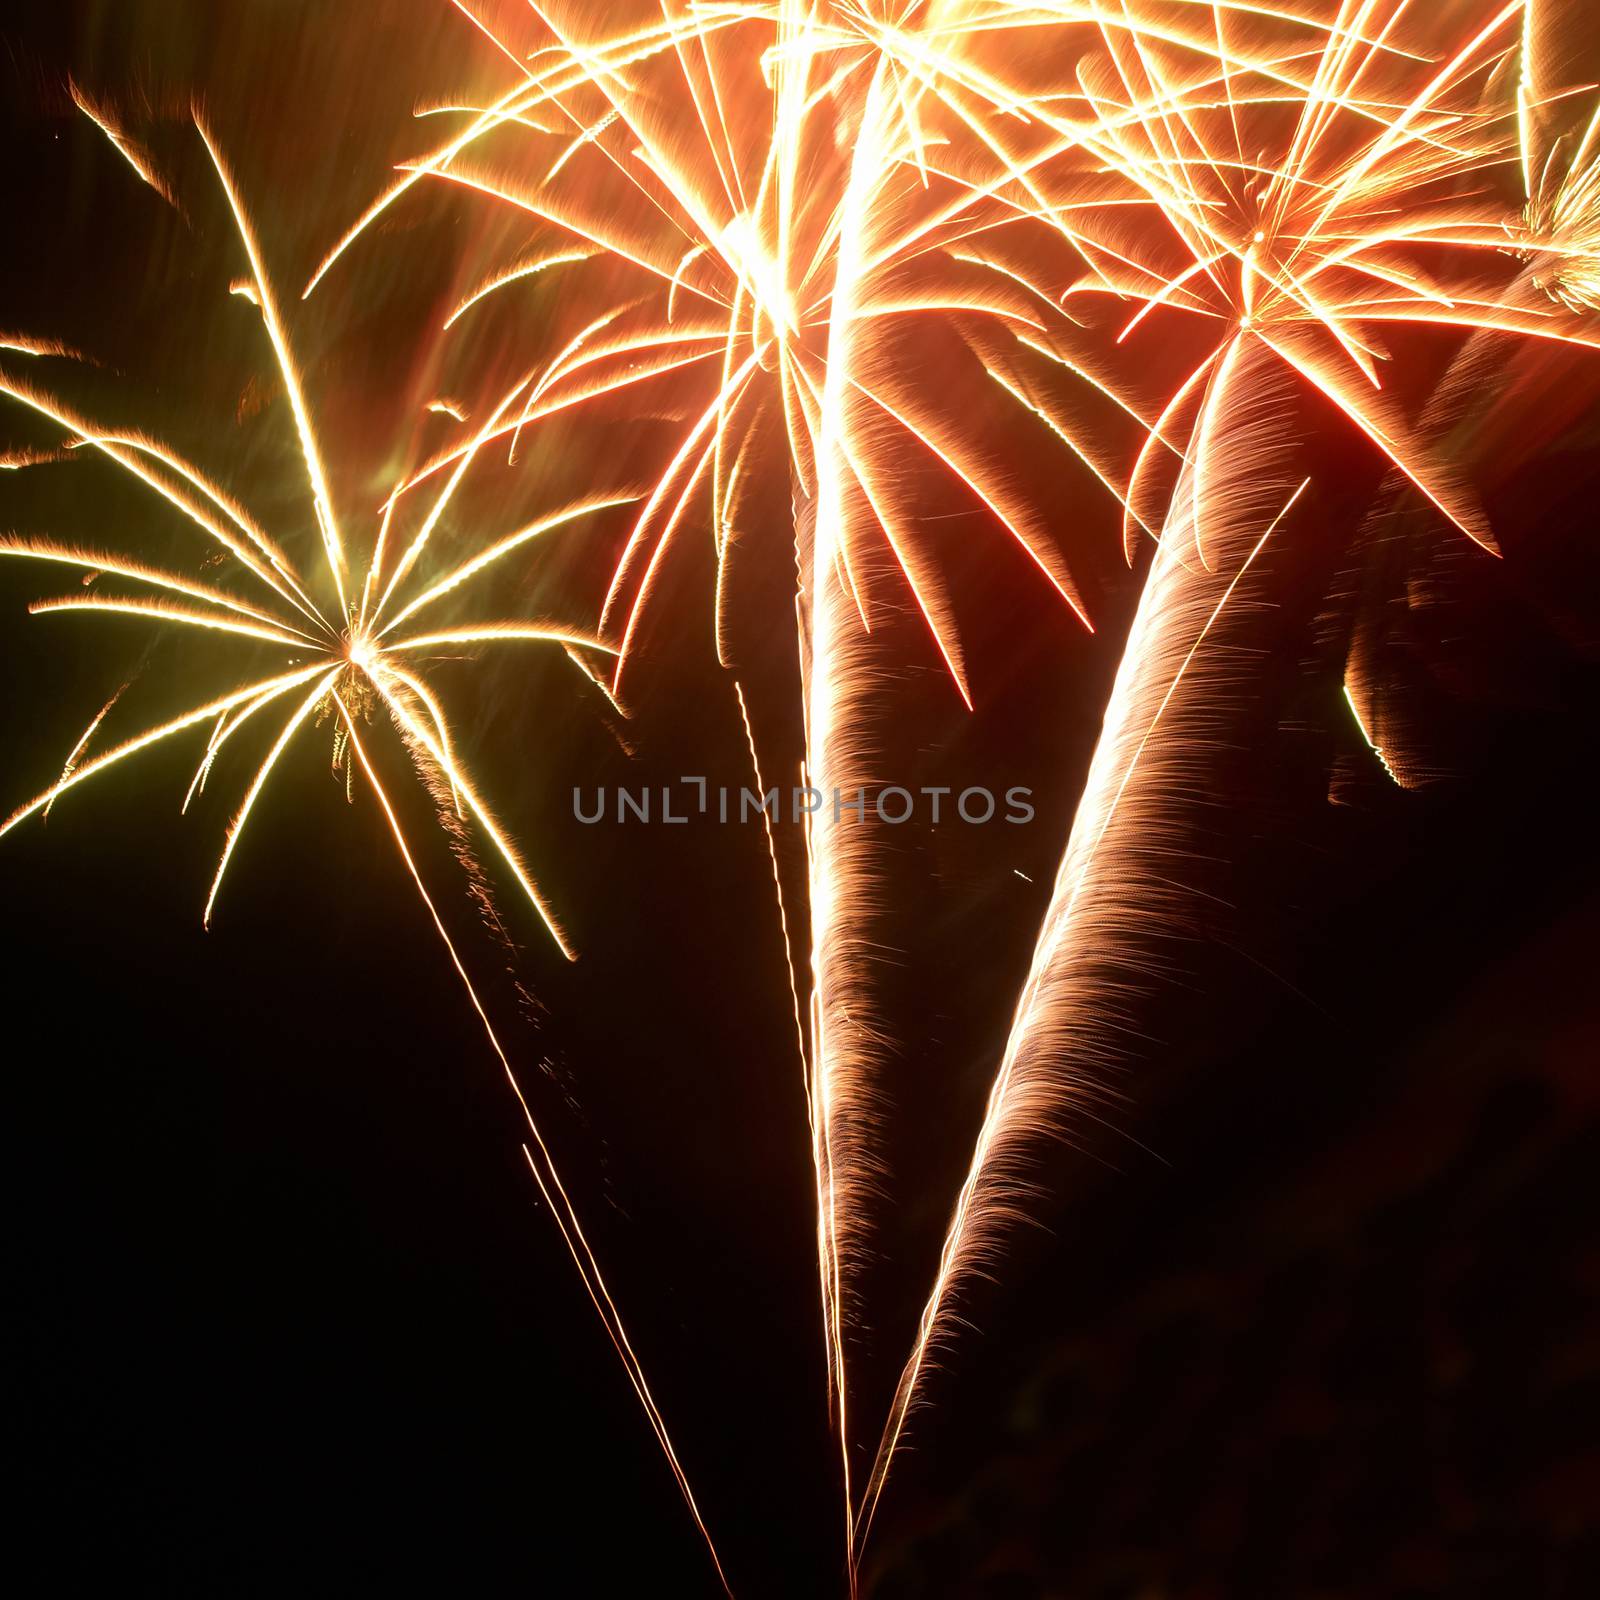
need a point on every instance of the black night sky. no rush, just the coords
(1314, 1309)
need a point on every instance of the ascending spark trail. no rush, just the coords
(1112, 898)
(842, 868)
(543, 1166)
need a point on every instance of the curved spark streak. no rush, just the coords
(518, 274)
(76, 753)
(488, 632)
(188, 615)
(101, 561)
(267, 302)
(130, 152)
(236, 828)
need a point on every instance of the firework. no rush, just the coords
(752, 204)
(1308, 230)
(754, 228)
(350, 640)
(1296, 227)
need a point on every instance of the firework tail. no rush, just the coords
(1114, 902)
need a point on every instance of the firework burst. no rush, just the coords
(350, 640)
(1343, 182)
(759, 210)
(1147, 233)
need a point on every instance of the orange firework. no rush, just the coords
(753, 207)
(1345, 181)
(1307, 229)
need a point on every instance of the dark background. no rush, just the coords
(1312, 1314)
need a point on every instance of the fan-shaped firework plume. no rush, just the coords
(1307, 228)
(1118, 894)
(1296, 225)
(350, 641)
(726, 226)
